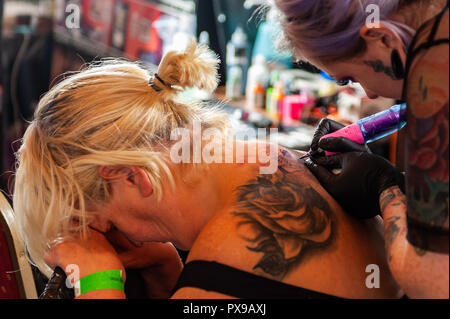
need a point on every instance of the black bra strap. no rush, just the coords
(212, 276)
(436, 25)
(431, 42)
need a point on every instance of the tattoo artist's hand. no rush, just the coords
(333, 144)
(91, 255)
(362, 179)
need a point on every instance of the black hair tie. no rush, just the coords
(154, 86)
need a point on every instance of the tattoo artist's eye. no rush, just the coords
(345, 81)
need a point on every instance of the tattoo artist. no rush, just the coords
(406, 57)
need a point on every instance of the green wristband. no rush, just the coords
(109, 279)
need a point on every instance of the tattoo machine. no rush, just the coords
(373, 128)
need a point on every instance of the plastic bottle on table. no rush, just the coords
(237, 50)
(258, 73)
(234, 83)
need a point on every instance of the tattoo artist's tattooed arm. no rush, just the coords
(290, 217)
(428, 152)
(393, 208)
(421, 273)
(391, 233)
(416, 231)
(394, 200)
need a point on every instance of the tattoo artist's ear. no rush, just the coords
(131, 175)
(384, 38)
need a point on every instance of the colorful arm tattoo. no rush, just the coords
(428, 151)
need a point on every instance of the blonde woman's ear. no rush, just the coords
(142, 181)
(131, 175)
(113, 172)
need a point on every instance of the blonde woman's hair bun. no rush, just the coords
(195, 67)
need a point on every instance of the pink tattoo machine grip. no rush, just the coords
(374, 127)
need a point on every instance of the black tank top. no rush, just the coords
(212, 276)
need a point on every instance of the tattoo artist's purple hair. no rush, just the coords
(330, 29)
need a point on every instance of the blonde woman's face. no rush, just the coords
(132, 210)
(132, 220)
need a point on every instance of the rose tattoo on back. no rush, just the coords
(289, 217)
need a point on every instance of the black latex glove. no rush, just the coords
(362, 179)
(333, 144)
(56, 287)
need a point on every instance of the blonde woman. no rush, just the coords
(97, 158)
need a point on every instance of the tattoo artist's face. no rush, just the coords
(373, 70)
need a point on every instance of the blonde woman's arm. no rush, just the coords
(159, 263)
(87, 256)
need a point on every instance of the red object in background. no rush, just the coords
(143, 41)
(119, 25)
(8, 282)
(129, 26)
(318, 114)
(97, 20)
(292, 108)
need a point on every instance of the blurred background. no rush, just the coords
(40, 40)
(43, 39)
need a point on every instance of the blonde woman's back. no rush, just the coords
(284, 227)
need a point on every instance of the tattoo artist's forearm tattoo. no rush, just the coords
(386, 199)
(393, 196)
(419, 251)
(379, 67)
(391, 233)
(290, 218)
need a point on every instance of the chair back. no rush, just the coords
(16, 276)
